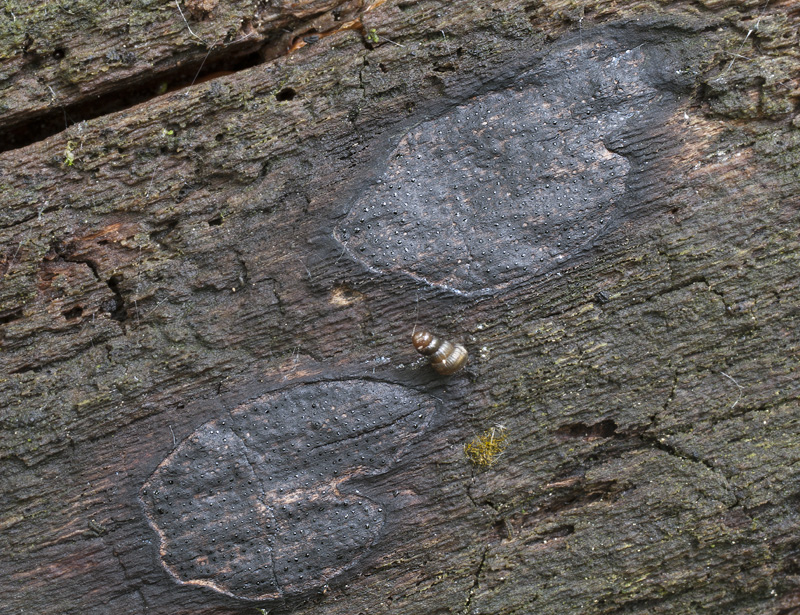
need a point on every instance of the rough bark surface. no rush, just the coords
(216, 287)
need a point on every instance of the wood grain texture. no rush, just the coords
(164, 264)
(74, 60)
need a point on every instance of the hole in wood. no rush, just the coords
(285, 94)
(73, 313)
(10, 316)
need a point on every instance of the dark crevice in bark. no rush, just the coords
(477, 580)
(120, 310)
(220, 60)
(45, 124)
(116, 307)
(10, 315)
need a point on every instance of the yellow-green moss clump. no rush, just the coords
(484, 449)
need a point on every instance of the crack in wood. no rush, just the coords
(221, 59)
(476, 581)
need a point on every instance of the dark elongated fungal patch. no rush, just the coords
(510, 184)
(254, 505)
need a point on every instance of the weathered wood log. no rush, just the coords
(210, 402)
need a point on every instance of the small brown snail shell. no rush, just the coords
(446, 358)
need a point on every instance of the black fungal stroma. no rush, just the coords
(513, 183)
(249, 504)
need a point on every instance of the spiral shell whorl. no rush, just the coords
(445, 357)
(425, 343)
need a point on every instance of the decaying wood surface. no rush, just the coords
(173, 270)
